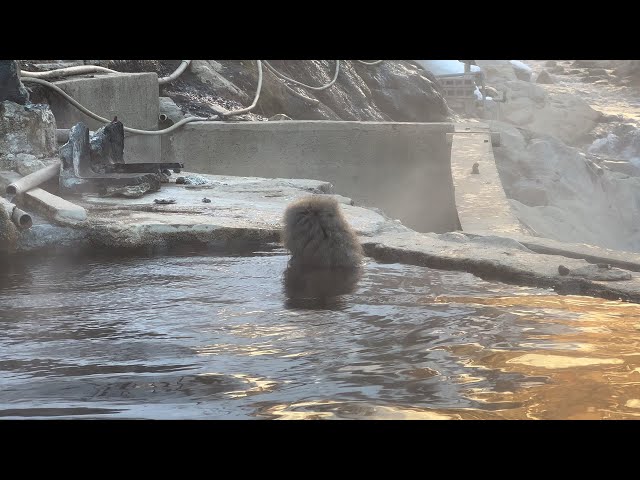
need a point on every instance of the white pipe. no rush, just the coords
(67, 72)
(181, 68)
(255, 100)
(152, 132)
(83, 69)
(105, 120)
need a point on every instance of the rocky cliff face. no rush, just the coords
(391, 91)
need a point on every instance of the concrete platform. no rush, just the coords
(242, 209)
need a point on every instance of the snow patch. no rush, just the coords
(445, 67)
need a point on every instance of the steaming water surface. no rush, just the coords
(195, 336)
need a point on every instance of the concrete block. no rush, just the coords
(132, 97)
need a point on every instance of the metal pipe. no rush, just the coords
(20, 218)
(163, 117)
(34, 179)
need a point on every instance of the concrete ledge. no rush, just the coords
(402, 168)
(495, 137)
(132, 97)
(481, 203)
(491, 259)
(53, 207)
(591, 253)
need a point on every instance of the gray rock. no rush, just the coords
(621, 143)
(522, 74)
(172, 111)
(8, 161)
(132, 191)
(544, 77)
(74, 155)
(106, 146)
(27, 164)
(393, 90)
(132, 65)
(457, 237)
(563, 115)
(601, 273)
(195, 180)
(279, 117)
(405, 94)
(11, 88)
(8, 233)
(27, 129)
(551, 63)
(52, 237)
(213, 74)
(531, 194)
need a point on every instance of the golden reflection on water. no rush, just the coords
(595, 374)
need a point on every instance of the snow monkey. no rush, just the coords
(317, 234)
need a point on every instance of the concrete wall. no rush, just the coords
(402, 168)
(133, 97)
